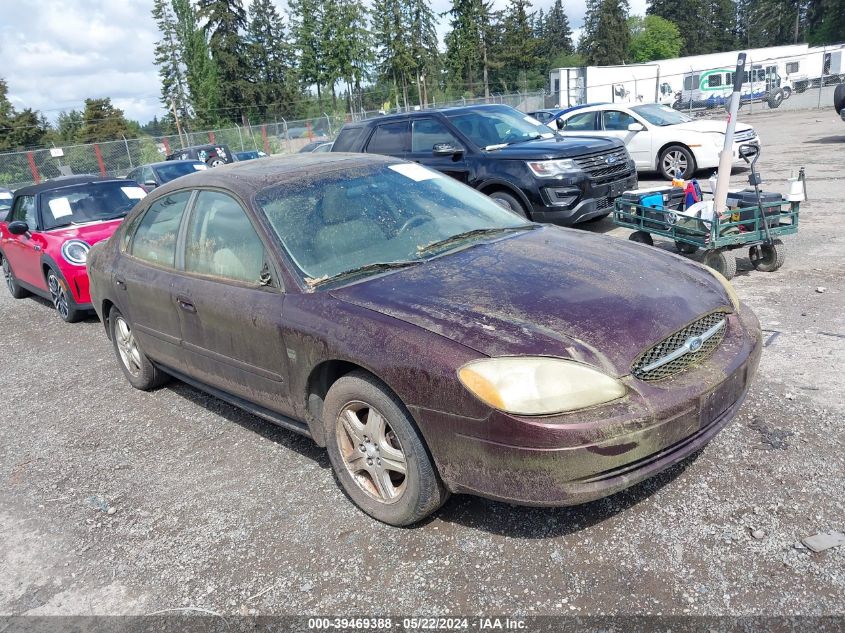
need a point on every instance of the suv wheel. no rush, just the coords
(509, 201)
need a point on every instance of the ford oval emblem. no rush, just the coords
(694, 344)
(610, 160)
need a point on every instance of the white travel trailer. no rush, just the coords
(791, 68)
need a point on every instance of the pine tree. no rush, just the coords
(465, 44)
(351, 48)
(606, 39)
(519, 45)
(271, 82)
(101, 121)
(423, 45)
(306, 18)
(200, 70)
(557, 34)
(169, 59)
(393, 45)
(224, 22)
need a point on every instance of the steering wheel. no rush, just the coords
(412, 222)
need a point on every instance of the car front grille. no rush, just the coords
(599, 169)
(675, 353)
(744, 136)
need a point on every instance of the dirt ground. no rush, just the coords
(116, 501)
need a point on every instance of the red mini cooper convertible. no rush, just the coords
(46, 235)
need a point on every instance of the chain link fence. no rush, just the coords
(793, 77)
(118, 157)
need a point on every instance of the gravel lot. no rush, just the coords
(117, 501)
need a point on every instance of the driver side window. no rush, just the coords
(586, 121)
(24, 210)
(221, 240)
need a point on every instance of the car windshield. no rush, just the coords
(89, 202)
(660, 114)
(171, 171)
(379, 215)
(491, 128)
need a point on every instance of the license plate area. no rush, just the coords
(617, 188)
(722, 397)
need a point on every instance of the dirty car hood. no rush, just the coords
(552, 291)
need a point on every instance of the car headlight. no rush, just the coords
(538, 385)
(75, 252)
(551, 168)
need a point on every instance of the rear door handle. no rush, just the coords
(186, 304)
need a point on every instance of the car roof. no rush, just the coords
(167, 163)
(586, 105)
(66, 181)
(428, 112)
(246, 177)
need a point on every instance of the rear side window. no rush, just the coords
(222, 241)
(616, 120)
(348, 139)
(714, 81)
(155, 238)
(580, 122)
(391, 138)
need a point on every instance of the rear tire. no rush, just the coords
(641, 237)
(14, 289)
(509, 201)
(377, 453)
(787, 92)
(767, 258)
(839, 98)
(137, 368)
(775, 99)
(62, 299)
(686, 249)
(721, 261)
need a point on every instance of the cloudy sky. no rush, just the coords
(56, 53)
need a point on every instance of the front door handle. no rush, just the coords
(186, 304)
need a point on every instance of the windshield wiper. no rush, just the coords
(521, 140)
(468, 235)
(358, 270)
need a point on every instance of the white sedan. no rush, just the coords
(656, 136)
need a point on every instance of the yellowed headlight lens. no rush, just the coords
(538, 385)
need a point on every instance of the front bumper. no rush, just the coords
(595, 200)
(77, 282)
(582, 456)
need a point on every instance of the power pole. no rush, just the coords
(178, 125)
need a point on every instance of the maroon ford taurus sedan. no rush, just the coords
(431, 340)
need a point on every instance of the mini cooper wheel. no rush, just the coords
(14, 289)
(377, 453)
(768, 258)
(137, 368)
(61, 298)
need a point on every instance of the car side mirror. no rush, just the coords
(636, 127)
(151, 183)
(446, 149)
(19, 227)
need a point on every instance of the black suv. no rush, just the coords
(507, 155)
(211, 155)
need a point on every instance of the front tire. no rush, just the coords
(768, 258)
(62, 299)
(137, 368)
(721, 261)
(11, 283)
(775, 99)
(377, 453)
(509, 201)
(676, 161)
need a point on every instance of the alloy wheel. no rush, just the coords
(130, 355)
(675, 163)
(7, 273)
(58, 295)
(371, 452)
